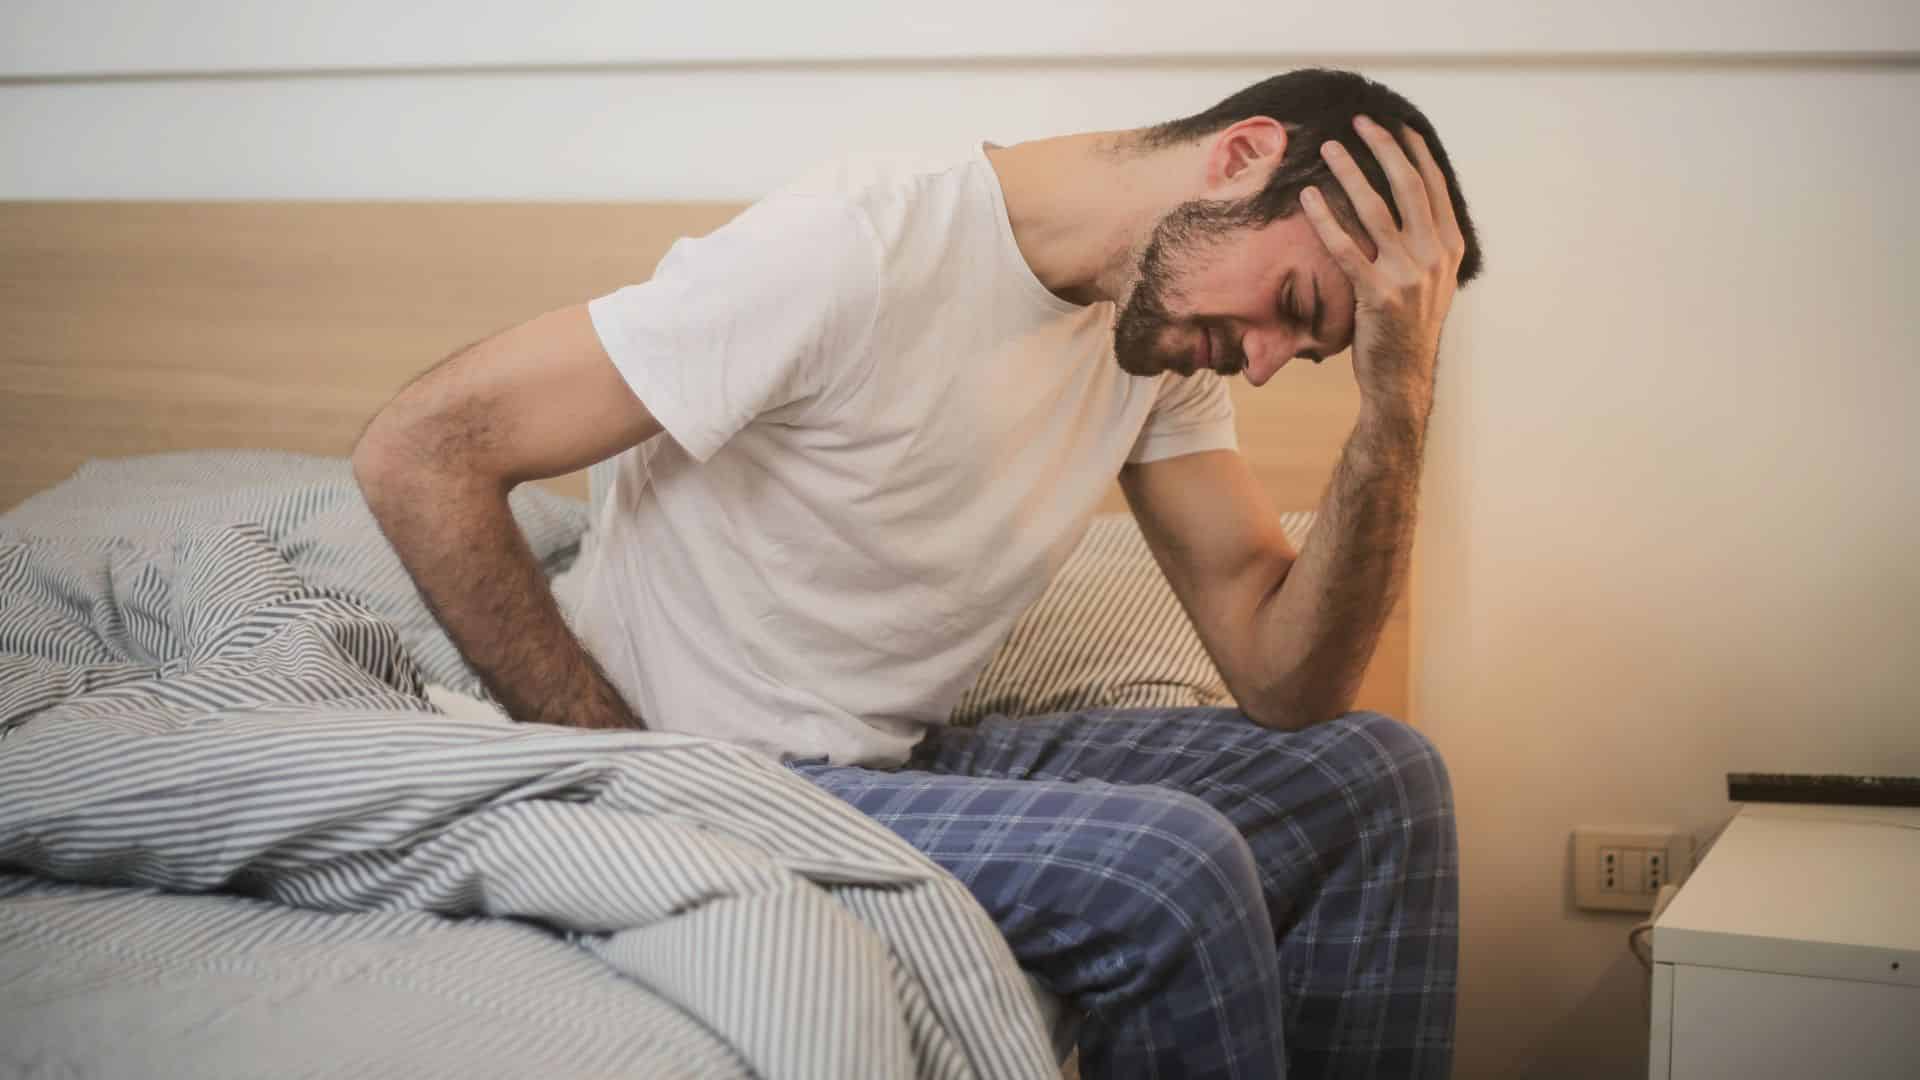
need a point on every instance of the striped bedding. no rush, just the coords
(1107, 633)
(237, 839)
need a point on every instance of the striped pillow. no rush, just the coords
(1107, 633)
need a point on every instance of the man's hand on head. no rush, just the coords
(1403, 293)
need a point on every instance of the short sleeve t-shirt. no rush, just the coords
(882, 436)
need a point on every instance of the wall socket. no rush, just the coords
(1621, 867)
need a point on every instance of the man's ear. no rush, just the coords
(1243, 156)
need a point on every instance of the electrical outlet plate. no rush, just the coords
(1621, 867)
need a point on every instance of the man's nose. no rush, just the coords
(1267, 352)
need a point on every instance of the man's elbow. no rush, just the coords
(394, 456)
(376, 458)
(409, 455)
(1293, 707)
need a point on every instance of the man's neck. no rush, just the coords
(1083, 205)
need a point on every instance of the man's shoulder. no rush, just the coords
(934, 221)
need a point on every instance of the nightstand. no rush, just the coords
(1793, 951)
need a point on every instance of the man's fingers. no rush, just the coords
(1438, 196)
(1409, 192)
(1345, 252)
(1367, 203)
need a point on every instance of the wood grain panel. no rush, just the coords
(142, 327)
(131, 328)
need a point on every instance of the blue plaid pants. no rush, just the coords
(1220, 900)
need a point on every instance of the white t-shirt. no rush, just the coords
(883, 436)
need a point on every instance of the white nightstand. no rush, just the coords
(1793, 951)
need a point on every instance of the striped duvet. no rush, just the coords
(235, 838)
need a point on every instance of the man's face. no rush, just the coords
(1209, 293)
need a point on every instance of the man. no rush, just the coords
(859, 424)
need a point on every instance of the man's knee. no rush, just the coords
(1371, 805)
(1387, 763)
(1355, 791)
(1183, 862)
(1198, 844)
(1176, 890)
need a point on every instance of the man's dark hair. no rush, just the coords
(1316, 105)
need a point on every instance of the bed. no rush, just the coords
(248, 826)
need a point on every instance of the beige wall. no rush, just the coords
(1671, 491)
(1672, 506)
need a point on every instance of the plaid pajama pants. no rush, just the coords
(1220, 900)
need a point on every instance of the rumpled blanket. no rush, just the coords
(210, 683)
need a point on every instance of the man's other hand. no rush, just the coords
(1401, 294)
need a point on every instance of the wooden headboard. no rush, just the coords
(134, 328)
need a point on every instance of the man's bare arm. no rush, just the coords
(1291, 632)
(1293, 635)
(436, 465)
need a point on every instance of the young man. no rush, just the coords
(890, 402)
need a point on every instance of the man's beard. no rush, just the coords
(1178, 239)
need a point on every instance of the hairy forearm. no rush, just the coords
(456, 535)
(1317, 630)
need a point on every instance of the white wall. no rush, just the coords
(1670, 515)
(65, 37)
(1670, 495)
